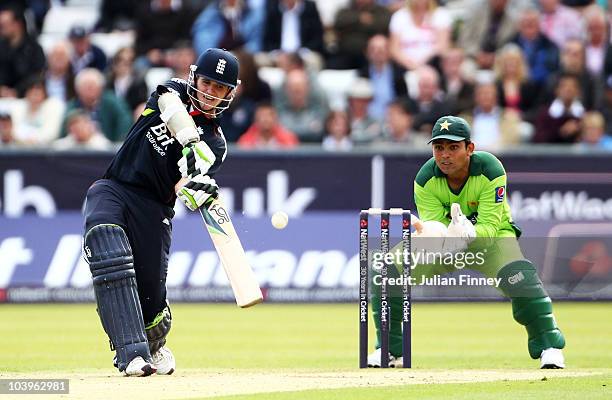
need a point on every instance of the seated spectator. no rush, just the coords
(364, 128)
(7, 136)
(266, 132)
(251, 91)
(489, 25)
(559, 121)
(82, 134)
(605, 105)
(493, 128)
(20, 54)
(85, 54)
(541, 53)
(293, 25)
(37, 120)
(430, 100)
(59, 77)
(420, 32)
(514, 88)
(229, 24)
(459, 91)
(180, 58)
(573, 62)
(159, 25)
(398, 126)
(124, 81)
(117, 15)
(354, 26)
(386, 77)
(111, 114)
(593, 134)
(302, 110)
(338, 132)
(597, 44)
(560, 23)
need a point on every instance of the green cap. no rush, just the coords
(451, 128)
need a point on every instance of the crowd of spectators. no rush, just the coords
(374, 73)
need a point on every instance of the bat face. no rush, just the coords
(227, 243)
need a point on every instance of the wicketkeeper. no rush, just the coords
(128, 213)
(458, 182)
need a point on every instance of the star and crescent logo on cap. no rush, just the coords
(444, 125)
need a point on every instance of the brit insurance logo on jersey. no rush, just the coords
(158, 135)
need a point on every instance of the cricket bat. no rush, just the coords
(239, 273)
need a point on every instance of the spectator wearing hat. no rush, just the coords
(301, 107)
(82, 134)
(559, 121)
(364, 128)
(85, 54)
(266, 132)
(38, 118)
(7, 136)
(111, 114)
(20, 54)
(337, 132)
(386, 77)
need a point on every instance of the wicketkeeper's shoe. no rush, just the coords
(164, 361)
(552, 359)
(374, 359)
(139, 367)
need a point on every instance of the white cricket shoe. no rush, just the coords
(139, 367)
(552, 358)
(164, 361)
(374, 360)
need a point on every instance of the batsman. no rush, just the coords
(172, 151)
(466, 191)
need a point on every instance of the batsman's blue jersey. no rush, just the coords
(148, 158)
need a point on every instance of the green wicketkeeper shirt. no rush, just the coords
(482, 198)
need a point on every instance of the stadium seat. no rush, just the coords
(336, 84)
(272, 76)
(60, 19)
(156, 76)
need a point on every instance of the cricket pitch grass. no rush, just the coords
(460, 351)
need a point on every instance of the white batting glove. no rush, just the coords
(197, 191)
(196, 160)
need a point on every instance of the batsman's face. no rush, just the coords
(211, 93)
(453, 158)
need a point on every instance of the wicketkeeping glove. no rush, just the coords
(199, 190)
(197, 159)
(460, 231)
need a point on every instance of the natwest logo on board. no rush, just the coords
(557, 205)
